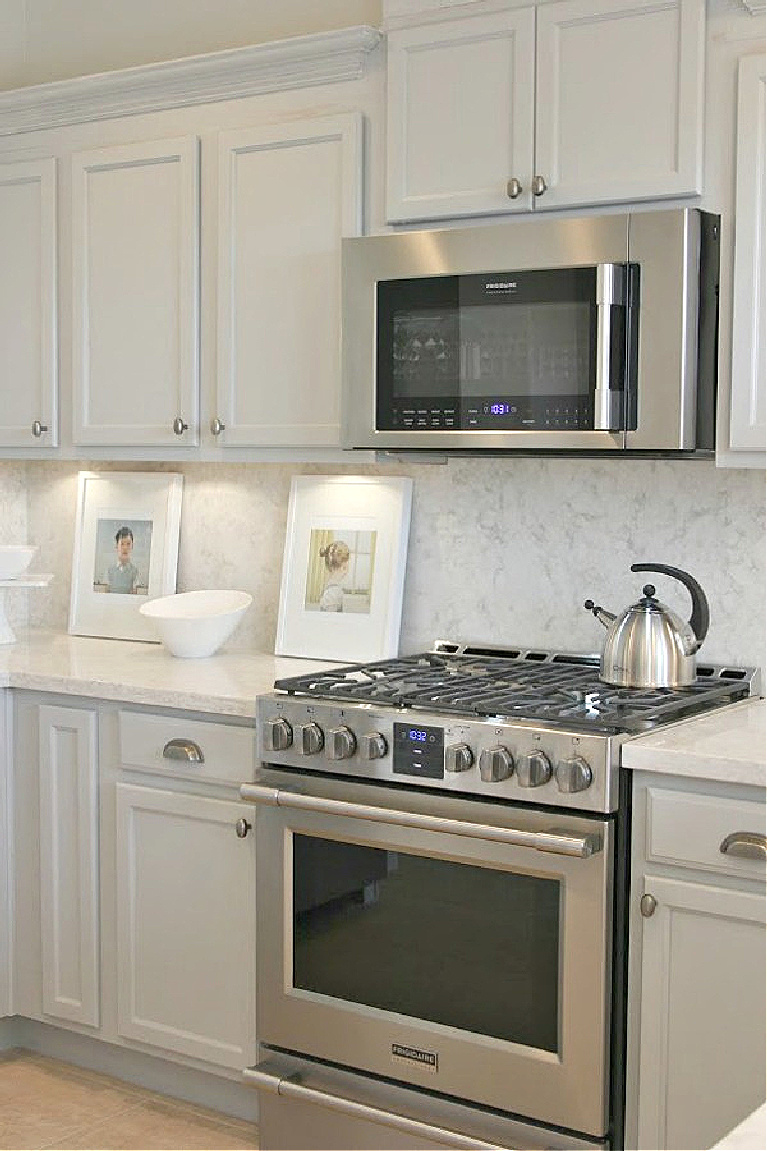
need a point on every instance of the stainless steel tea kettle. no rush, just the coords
(647, 645)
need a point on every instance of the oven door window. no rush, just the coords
(462, 945)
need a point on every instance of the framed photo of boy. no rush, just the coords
(126, 551)
(343, 571)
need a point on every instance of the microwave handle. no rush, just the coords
(607, 401)
(555, 842)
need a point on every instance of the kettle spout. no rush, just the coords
(605, 617)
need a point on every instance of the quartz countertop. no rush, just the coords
(226, 683)
(727, 745)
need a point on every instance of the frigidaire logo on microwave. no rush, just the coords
(426, 1060)
(500, 285)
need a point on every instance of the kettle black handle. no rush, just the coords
(699, 620)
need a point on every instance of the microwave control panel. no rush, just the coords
(550, 413)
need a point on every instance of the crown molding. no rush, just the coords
(321, 58)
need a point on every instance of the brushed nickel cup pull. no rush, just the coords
(513, 188)
(241, 828)
(539, 185)
(216, 427)
(647, 905)
(183, 749)
(179, 427)
(745, 845)
(38, 429)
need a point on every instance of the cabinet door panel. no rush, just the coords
(28, 356)
(69, 864)
(747, 412)
(619, 100)
(135, 309)
(288, 193)
(186, 925)
(702, 1030)
(460, 116)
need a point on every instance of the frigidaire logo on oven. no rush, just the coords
(426, 1060)
(500, 285)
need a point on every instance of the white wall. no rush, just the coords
(501, 551)
(42, 40)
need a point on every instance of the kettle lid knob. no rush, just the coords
(648, 591)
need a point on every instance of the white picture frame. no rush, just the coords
(343, 570)
(126, 551)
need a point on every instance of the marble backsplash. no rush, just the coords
(501, 550)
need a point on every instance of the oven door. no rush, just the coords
(456, 945)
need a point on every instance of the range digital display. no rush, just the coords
(419, 751)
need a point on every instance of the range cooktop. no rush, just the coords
(521, 684)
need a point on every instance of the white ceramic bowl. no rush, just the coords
(14, 560)
(196, 623)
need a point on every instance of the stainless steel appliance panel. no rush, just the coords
(664, 244)
(564, 1079)
(306, 1105)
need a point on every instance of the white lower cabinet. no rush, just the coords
(185, 924)
(697, 941)
(69, 876)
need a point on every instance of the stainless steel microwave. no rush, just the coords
(593, 333)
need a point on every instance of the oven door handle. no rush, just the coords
(290, 1087)
(553, 841)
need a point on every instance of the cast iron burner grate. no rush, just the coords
(555, 688)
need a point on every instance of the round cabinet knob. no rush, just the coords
(539, 185)
(216, 427)
(241, 828)
(513, 188)
(179, 427)
(312, 739)
(38, 429)
(647, 905)
(495, 764)
(459, 757)
(573, 774)
(341, 743)
(373, 745)
(534, 770)
(278, 735)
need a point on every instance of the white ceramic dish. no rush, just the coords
(194, 624)
(14, 560)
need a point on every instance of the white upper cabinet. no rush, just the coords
(461, 116)
(748, 389)
(572, 103)
(135, 260)
(619, 100)
(28, 346)
(287, 194)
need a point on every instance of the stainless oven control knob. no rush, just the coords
(534, 770)
(341, 743)
(459, 757)
(312, 739)
(495, 764)
(278, 735)
(373, 745)
(573, 774)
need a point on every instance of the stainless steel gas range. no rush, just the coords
(442, 875)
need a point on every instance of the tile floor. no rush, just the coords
(48, 1104)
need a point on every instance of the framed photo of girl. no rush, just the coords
(343, 571)
(126, 551)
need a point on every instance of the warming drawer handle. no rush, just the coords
(555, 842)
(745, 844)
(290, 1087)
